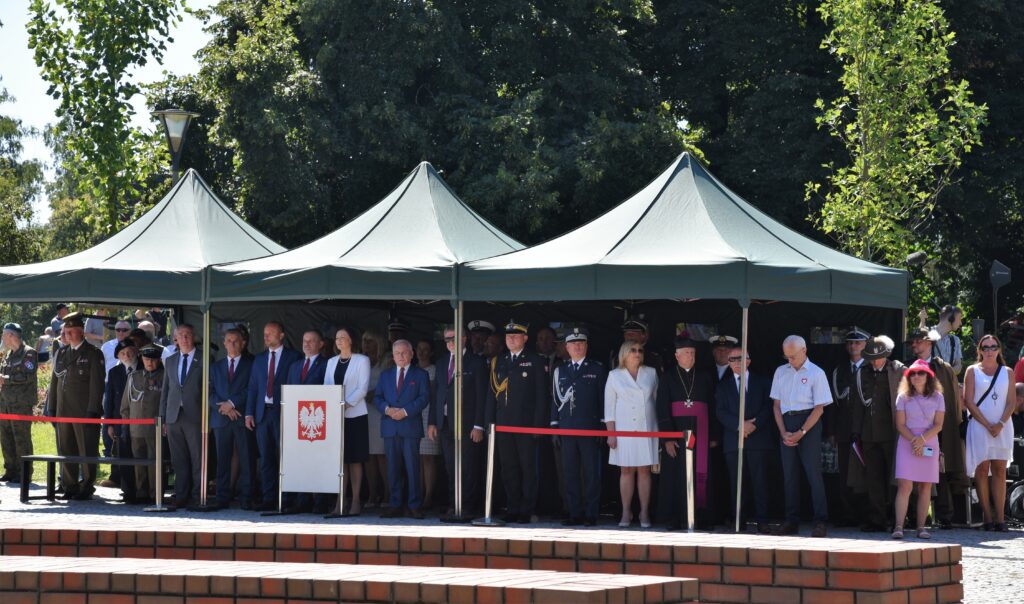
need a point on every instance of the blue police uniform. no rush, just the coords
(578, 403)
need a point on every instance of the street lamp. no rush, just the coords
(175, 123)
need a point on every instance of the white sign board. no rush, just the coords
(312, 428)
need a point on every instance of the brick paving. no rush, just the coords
(991, 562)
(67, 579)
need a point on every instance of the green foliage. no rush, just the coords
(903, 120)
(20, 182)
(86, 50)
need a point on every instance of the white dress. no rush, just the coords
(982, 446)
(630, 404)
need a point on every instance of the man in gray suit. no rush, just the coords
(181, 407)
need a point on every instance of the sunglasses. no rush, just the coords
(735, 359)
(121, 329)
(918, 373)
(451, 339)
(991, 348)
(637, 350)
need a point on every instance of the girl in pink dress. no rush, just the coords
(919, 412)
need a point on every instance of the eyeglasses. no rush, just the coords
(637, 350)
(449, 339)
(735, 359)
(121, 329)
(990, 348)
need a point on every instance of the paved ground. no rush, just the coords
(993, 562)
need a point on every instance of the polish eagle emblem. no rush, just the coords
(312, 420)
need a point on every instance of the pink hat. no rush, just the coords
(919, 366)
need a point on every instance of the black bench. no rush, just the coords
(51, 470)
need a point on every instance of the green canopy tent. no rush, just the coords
(685, 236)
(406, 247)
(161, 258)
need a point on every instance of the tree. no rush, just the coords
(903, 120)
(20, 183)
(87, 50)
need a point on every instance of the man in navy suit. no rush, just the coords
(759, 442)
(308, 371)
(229, 384)
(441, 419)
(402, 394)
(263, 405)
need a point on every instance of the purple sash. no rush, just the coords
(699, 410)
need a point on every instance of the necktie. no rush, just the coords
(305, 370)
(231, 370)
(184, 368)
(401, 379)
(270, 375)
(451, 368)
(575, 367)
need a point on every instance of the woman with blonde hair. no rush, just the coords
(989, 438)
(629, 405)
(920, 409)
(352, 370)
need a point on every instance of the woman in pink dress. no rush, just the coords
(919, 412)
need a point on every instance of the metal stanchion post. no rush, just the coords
(204, 429)
(489, 520)
(341, 465)
(280, 468)
(689, 483)
(159, 474)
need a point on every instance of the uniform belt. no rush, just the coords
(801, 412)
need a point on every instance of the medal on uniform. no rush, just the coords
(525, 374)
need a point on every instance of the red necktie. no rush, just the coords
(270, 375)
(231, 370)
(401, 379)
(305, 370)
(451, 368)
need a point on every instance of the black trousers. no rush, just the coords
(581, 456)
(472, 456)
(878, 464)
(850, 504)
(755, 466)
(517, 455)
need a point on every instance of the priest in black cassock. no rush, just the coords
(686, 401)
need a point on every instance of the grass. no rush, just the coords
(44, 440)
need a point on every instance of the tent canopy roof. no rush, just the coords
(160, 258)
(405, 246)
(685, 235)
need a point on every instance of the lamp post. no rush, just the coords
(175, 123)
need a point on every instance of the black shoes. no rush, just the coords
(395, 512)
(788, 528)
(572, 521)
(819, 530)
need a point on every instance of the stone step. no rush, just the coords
(731, 568)
(67, 580)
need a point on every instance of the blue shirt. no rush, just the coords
(800, 389)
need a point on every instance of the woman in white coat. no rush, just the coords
(629, 405)
(352, 370)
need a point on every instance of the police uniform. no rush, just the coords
(18, 396)
(651, 356)
(850, 381)
(141, 400)
(76, 390)
(517, 396)
(578, 390)
(686, 401)
(722, 371)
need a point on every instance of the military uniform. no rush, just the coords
(874, 427)
(76, 390)
(18, 396)
(851, 383)
(141, 400)
(578, 391)
(518, 396)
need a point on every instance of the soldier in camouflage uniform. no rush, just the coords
(18, 396)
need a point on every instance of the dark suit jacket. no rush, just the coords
(174, 394)
(758, 405)
(235, 391)
(414, 398)
(117, 379)
(258, 380)
(315, 374)
(474, 393)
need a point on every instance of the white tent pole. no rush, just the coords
(457, 384)
(742, 415)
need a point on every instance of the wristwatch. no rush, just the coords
(803, 432)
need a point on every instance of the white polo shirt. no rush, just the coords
(800, 389)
